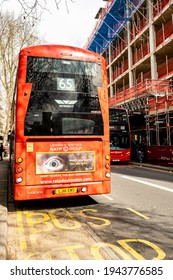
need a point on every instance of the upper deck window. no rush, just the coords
(52, 70)
(64, 98)
(118, 116)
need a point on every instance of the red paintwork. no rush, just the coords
(160, 155)
(120, 155)
(39, 186)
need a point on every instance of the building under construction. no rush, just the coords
(136, 38)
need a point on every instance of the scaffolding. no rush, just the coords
(136, 37)
(145, 94)
(154, 99)
(112, 19)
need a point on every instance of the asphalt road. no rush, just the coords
(142, 211)
(134, 221)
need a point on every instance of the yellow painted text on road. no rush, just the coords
(31, 224)
(38, 222)
(20, 228)
(124, 243)
(95, 250)
(74, 223)
(71, 250)
(104, 222)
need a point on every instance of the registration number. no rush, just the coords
(65, 190)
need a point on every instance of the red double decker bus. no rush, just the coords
(60, 124)
(120, 144)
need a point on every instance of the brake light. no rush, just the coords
(107, 166)
(19, 169)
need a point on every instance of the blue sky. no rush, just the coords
(61, 27)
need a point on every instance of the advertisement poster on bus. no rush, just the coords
(58, 162)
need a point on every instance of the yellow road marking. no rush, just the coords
(124, 243)
(59, 225)
(106, 222)
(138, 213)
(71, 251)
(20, 228)
(19, 221)
(95, 248)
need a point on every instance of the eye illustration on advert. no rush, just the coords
(64, 162)
(51, 163)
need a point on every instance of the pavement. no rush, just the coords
(4, 170)
(153, 166)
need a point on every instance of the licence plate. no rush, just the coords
(65, 190)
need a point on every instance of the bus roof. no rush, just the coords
(59, 50)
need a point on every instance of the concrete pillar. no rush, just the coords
(110, 71)
(130, 62)
(153, 62)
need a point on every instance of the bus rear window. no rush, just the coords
(64, 98)
(43, 71)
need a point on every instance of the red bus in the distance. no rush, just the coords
(60, 124)
(120, 144)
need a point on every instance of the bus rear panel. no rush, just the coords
(120, 147)
(61, 145)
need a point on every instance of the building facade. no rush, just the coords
(136, 38)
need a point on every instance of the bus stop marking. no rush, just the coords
(138, 213)
(124, 243)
